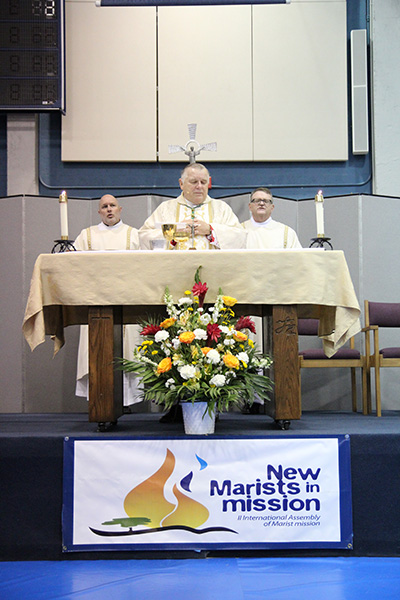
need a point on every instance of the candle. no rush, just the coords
(319, 208)
(63, 200)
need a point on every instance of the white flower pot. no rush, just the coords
(196, 419)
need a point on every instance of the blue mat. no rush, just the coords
(204, 579)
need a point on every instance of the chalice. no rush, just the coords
(181, 234)
(168, 230)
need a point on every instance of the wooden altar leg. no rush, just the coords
(282, 344)
(105, 383)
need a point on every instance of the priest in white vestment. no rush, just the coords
(210, 224)
(262, 231)
(110, 234)
(265, 233)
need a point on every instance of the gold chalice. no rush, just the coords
(168, 230)
(181, 234)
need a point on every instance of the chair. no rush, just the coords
(379, 314)
(347, 357)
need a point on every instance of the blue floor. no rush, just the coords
(203, 579)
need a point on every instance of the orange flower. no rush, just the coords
(167, 323)
(205, 350)
(187, 337)
(239, 336)
(231, 361)
(164, 365)
(229, 301)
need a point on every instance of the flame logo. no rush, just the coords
(138, 502)
(147, 505)
(161, 512)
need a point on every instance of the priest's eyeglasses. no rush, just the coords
(260, 200)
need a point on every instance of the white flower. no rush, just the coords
(218, 380)
(226, 330)
(243, 356)
(170, 383)
(213, 357)
(176, 343)
(185, 300)
(263, 363)
(161, 336)
(201, 334)
(229, 342)
(187, 371)
(205, 319)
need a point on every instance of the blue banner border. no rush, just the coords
(346, 513)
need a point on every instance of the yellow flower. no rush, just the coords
(229, 301)
(187, 337)
(165, 365)
(155, 352)
(205, 350)
(167, 322)
(188, 293)
(231, 361)
(239, 336)
(147, 343)
(251, 343)
(195, 352)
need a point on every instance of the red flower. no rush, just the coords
(213, 332)
(245, 323)
(150, 330)
(200, 290)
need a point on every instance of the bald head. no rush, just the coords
(109, 210)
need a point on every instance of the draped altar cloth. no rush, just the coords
(64, 285)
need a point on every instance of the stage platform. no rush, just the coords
(31, 475)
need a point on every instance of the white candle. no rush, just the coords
(319, 209)
(63, 200)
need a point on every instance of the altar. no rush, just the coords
(109, 289)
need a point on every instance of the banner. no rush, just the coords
(127, 494)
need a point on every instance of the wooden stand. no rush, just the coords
(281, 342)
(105, 382)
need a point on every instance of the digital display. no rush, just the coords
(28, 9)
(28, 35)
(36, 93)
(31, 54)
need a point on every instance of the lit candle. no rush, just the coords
(319, 208)
(63, 200)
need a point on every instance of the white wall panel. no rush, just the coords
(204, 58)
(110, 83)
(300, 81)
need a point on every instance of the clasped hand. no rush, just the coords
(200, 227)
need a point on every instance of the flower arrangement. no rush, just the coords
(200, 354)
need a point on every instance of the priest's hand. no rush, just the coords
(200, 227)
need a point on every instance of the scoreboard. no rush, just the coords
(32, 64)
